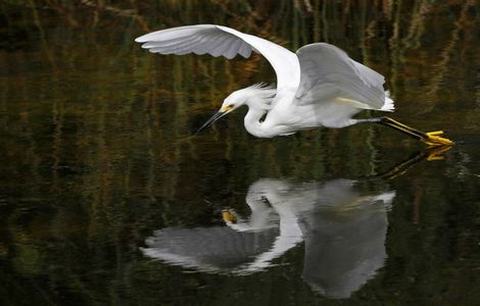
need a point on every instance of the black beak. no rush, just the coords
(212, 119)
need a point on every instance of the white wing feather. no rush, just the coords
(328, 72)
(223, 41)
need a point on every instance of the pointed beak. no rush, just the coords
(212, 119)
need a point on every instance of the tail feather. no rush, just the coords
(388, 106)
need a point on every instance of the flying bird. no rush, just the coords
(318, 86)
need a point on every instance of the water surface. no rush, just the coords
(99, 177)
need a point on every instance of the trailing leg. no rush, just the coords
(430, 138)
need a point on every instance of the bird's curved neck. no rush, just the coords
(253, 122)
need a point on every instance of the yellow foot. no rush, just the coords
(229, 216)
(436, 152)
(434, 139)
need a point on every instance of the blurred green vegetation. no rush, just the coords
(96, 150)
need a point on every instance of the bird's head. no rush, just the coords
(231, 103)
(259, 96)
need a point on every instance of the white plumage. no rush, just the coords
(318, 86)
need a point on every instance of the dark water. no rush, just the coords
(106, 199)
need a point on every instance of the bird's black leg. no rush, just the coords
(430, 138)
(387, 121)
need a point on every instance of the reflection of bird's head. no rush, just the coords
(229, 216)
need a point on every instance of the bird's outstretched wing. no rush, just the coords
(223, 41)
(328, 72)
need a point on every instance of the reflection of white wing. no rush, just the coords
(213, 249)
(344, 231)
(219, 40)
(328, 72)
(344, 248)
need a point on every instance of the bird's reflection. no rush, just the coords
(343, 230)
(342, 223)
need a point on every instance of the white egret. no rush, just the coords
(319, 86)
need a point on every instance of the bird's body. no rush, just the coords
(284, 118)
(318, 86)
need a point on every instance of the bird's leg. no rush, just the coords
(430, 138)
(429, 154)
